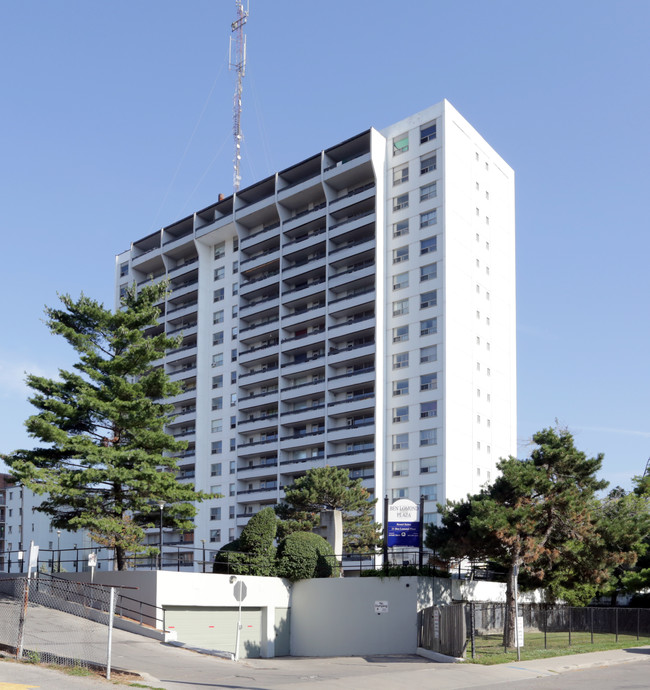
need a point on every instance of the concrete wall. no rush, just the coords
(339, 617)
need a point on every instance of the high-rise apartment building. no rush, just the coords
(356, 309)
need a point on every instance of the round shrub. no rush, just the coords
(304, 555)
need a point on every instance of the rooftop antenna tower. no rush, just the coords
(238, 64)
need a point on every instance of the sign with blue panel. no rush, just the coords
(403, 524)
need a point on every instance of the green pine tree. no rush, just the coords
(330, 488)
(541, 515)
(107, 461)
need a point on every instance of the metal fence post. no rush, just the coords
(545, 625)
(472, 628)
(592, 626)
(638, 611)
(570, 610)
(616, 619)
(21, 622)
(111, 608)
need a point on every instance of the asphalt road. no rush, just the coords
(621, 669)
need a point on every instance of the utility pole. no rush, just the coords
(238, 64)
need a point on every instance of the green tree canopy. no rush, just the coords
(330, 488)
(542, 515)
(106, 454)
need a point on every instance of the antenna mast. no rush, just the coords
(238, 64)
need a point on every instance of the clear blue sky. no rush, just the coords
(116, 119)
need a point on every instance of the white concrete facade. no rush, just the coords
(356, 309)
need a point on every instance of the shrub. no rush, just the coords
(253, 553)
(304, 555)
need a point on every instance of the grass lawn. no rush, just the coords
(489, 648)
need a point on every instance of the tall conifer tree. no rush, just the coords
(107, 461)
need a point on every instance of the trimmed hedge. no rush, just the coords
(305, 555)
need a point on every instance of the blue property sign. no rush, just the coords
(403, 524)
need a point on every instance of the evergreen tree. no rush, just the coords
(330, 488)
(106, 454)
(541, 515)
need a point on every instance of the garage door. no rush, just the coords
(216, 628)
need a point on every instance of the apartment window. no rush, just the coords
(218, 295)
(124, 270)
(429, 191)
(219, 250)
(235, 310)
(429, 245)
(427, 164)
(428, 465)
(429, 409)
(123, 289)
(401, 387)
(429, 492)
(428, 218)
(429, 437)
(400, 414)
(216, 425)
(217, 360)
(401, 307)
(235, 244)
(429, 382)
(400, 202)
(400, 144)
(215, 513)
(401, 468)
(400, 254)
(233, 332)
(401, 174)
(231, 490)
(400, 334)
(233, 466)
(427, 132)
(428, 354)
(428, 299)
(400, 493)
(401, 360)
(401, 228)
(233, 422)
(217, 381)
(235, 288)
(429, 326)
(233, 399)
(217, 403)
(235, 266)
(400, 442)
(233, 444)
(219, 273)
(428, 272)
(233, 377)
(215, 535)
(231, 513)
(216, 447)
(217, 317)
(215, 469)
(401, 280)
(233, 354)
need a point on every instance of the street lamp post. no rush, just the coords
(203, 550)
(58, 550)
(76, 559)
(161, 505)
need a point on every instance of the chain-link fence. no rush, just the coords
(544, 627)
(56, 621)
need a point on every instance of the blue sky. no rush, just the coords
(117, 117)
